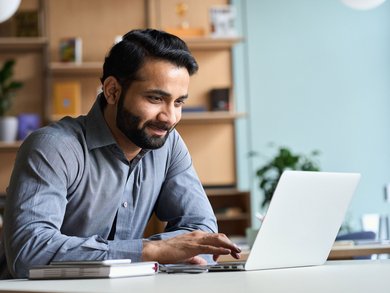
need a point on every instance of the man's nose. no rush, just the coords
(169, 114)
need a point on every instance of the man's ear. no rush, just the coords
(111, 89)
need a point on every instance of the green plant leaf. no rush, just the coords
(14, 85)
(7, 70)
(7, 86)
(269, 174)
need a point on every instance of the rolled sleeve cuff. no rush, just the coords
(125, 249)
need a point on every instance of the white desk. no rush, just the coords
(338, 252)
(350, 251)
(335, 276)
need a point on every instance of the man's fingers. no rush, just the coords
(197, 260)
(209, 249)
(221, 240)
(186, 247)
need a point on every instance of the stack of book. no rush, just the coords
(93, 269)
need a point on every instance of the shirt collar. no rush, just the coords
(97, 132)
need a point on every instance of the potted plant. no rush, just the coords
(8, 86)
(269, 174)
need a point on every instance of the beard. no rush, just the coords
(130, 125)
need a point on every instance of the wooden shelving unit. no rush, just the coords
(209, 135)
(61, 68)
(31, 56)
(232, 209)
(210, 116)
(209, 43)
(5, 146)
(23, 43)
(198, 117)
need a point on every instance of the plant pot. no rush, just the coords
(8, 128)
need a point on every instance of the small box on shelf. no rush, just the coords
(27, 23)
(27, 123)
(222, 20)
(70, 50)
(219, 99)
(67, 98)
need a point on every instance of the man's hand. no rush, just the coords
(187, 247)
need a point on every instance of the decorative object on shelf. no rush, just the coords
(70, 50)
(27, 23)
(219, 99)
(27, 123)
(181, 11)
(8, 128)
(222, 21)
(363, 4)
(269, 174)
(8, 8)
(8, 86)
(67, 98)
(184, 29)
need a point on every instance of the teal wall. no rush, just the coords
(316, 75)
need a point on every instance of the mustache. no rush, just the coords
(160, 125)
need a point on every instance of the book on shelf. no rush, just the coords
(93, 269)
(67, 98)
(27, 23)
(70, 50)
(222, 21)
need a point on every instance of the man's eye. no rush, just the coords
(155, 99)
(179, 102)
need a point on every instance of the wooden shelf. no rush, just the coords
(203, 117)
(232, 209)
(224, 192)
(23, 43)
(210, 116)
(204, 43)
(9, 146)
(64, 68)
(210, 43)
(240, 217)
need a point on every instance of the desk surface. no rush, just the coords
(350, 251)
(335, 276)
(338, 252)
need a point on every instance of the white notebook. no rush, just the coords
(93, 269)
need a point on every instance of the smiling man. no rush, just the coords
(84, 188)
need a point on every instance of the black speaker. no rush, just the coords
(219, 99)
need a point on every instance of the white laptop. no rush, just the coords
(301, 224)
(302, 221)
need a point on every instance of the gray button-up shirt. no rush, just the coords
(71, 180)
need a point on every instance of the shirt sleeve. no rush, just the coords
(183, 203)
(46, 166)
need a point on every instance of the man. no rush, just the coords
(85, 188)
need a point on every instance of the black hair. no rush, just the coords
(127, 56)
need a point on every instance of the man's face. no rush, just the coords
(152, 105)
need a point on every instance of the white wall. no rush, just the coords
(316, 75)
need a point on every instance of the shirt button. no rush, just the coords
(124, 204)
